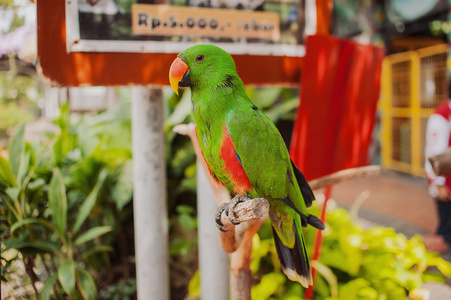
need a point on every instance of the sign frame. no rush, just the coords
(74, 43)
(126, 68)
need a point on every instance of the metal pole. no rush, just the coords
(213, 261)
(149, 194)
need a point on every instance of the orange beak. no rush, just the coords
(176, 72)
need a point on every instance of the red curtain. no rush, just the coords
(339, 91)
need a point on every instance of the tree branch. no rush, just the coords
(248, 213)
(343, 175)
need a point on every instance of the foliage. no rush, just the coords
(121, 291)
(18, 100)
(65, 206)
(355, 263)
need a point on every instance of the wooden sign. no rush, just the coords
(259, 27)
(163, 20)
(126, 63)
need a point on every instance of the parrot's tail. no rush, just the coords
(294, 261)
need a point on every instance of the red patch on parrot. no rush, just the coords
(232, 165)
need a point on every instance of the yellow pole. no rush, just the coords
(385, 107)
(415, 105)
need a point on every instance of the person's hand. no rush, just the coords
(443, 193)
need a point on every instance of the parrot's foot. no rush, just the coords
(229, 210)
(224, 207)
(232, 205)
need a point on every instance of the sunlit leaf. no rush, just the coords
(96, 249)
(268, 285)
(17, 151)
(352, 289)
(91, 234)
(21, 223)
(88, 204)
(86, 285)
(66, 276)
(44, 246)
(13, 193)
(441, 264)
(45, 292)
(6, 172)
(327, 274)
(123, 189)
(194, 285)
(58, 201)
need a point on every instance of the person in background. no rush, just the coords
(438, 140)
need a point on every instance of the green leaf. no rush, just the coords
(17, 151)
(268, 285)
(122, 191)
(92, 234)
(441, 264)
(86, 285)
(44, 294)
(66, 276)
(330, 277)
(22, 223)
(96, 249)
(45, 246)
(352, 289)
(194, 285)
(88, 204)
(58, 201)
(13, 193)
(6, 172)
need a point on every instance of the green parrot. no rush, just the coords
(245, 152)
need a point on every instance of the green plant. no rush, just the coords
(32, 234)
(65, 208)
(19, 98)
(355, 263)
(123, 290)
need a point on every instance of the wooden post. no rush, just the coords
(149, 194)
(213, 262)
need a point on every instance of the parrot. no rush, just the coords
(245, 152)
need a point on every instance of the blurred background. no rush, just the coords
(85, 133)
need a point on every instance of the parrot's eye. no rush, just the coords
(200, 58)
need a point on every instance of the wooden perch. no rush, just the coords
(245, 211)
(441, 163)
(342, 175)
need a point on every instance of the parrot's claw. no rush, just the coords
(222, 208)
(233, 222)
(228, 209)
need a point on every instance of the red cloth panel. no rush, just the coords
(340, 86)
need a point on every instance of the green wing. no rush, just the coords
(263, 155)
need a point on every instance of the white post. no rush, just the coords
(149, 194)
(213, 261)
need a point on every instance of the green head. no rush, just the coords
(202, 67)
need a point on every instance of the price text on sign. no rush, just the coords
(164, 20)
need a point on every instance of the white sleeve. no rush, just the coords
(437, 141)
